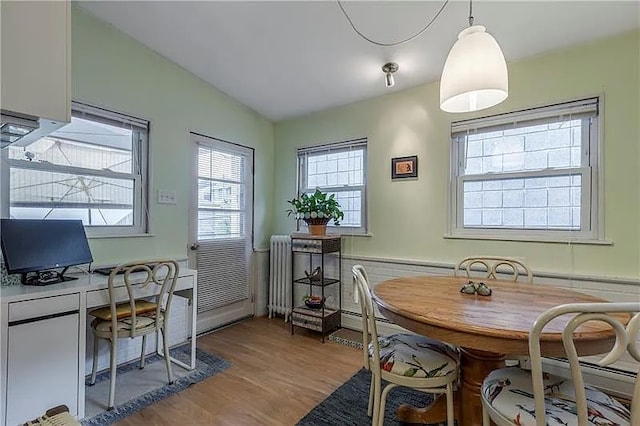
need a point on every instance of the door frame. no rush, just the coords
(202, 326)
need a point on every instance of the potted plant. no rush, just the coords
(316, 210)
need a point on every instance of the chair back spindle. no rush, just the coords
(369, 328)
(490, 266)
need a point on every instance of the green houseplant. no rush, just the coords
(316, 210)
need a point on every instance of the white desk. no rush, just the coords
(38, 341)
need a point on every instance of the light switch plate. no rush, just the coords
(167, 197)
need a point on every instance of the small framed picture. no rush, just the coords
(404, 167)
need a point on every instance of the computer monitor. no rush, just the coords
(36, 248)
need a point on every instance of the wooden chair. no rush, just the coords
(403, 359)
(489, 266)
(511, 396)
(135, 317)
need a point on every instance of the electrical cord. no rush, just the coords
(396, 43)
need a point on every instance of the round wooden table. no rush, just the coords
(486, 328)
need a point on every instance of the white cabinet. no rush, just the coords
(42, 357)
(35, 70)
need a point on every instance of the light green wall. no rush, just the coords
(114, 71)
(409, 218)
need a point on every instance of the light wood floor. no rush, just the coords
(275, 379)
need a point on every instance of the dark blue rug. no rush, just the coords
(206, 365)
(347, 405)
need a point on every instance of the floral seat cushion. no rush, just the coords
(510, 392)
(411, 355)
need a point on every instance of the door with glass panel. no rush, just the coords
(221, 227)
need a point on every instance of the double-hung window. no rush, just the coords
(527, 175)
(93, 169)
(340, 169)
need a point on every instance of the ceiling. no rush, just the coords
(287, 59)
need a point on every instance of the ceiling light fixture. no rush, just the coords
(389, 68)
(475, 75)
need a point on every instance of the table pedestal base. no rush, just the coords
(475, 366)
(434, 413)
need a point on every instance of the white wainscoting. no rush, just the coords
(260, 281)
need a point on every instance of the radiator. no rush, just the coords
(280, 276)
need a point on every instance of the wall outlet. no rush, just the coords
(167, 197)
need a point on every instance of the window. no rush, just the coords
(225, 185)
(529, 174)
(93, 169)
(340, 169)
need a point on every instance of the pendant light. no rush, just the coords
(475, 75)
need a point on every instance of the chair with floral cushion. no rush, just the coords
(512, 396)
(402, 359)
(156, 279)
(489, 266)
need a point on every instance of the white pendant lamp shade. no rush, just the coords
(475, 73)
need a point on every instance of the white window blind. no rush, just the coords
(527, 173)
(340, 169)
(221, 193)
(93, 169)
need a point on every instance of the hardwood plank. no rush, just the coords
(275, 379)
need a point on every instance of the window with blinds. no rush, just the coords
(222, 193)
(93, 169)
(340, 169)
(527, 173)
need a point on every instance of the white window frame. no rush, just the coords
(590, 170)
(302, 186)
(221, 146)
(139, 174)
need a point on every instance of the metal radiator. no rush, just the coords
(280, 276)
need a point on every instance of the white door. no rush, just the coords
(222, 231)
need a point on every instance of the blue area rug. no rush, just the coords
(206, 365)
(347, 405)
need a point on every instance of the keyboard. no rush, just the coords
(107, 271)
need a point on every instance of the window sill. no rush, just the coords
(342, 234)
(351, 234)
(529, 239)
(100, 237)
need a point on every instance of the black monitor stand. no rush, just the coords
(45, 277)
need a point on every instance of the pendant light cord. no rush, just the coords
(396, 43)
(470, 13)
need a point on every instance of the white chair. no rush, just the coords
(511, 396)
(489, 266)
(135, 317)
(403, 359)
